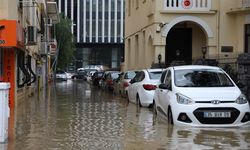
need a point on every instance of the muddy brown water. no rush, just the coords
(73, 115)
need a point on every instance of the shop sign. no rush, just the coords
(2, 42)
(11, 34)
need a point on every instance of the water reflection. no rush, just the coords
(75, 115)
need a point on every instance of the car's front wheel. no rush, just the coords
(170, 116)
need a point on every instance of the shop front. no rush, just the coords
(11, 42)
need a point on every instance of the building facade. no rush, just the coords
(166, 31)
(24, 46)
(98, 26)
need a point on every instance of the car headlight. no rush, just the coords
(241, 99)
(181, 99)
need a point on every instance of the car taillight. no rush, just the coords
(149, 87)
(125, 84)
(109, 82)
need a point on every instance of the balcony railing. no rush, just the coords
(245, 3)
(188, 5)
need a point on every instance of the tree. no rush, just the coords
(65, 40)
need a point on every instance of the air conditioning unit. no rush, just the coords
(32, 35)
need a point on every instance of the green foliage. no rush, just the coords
(65, 42)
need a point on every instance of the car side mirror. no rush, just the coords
(164, 86)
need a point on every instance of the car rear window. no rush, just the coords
(155, 75)
(201, 78)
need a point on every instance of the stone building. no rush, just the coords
(184, 30)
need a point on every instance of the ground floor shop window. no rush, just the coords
(247, 38)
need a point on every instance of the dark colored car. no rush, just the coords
(97, 76)
(81, 74)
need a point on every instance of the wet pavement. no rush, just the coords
(73, 115)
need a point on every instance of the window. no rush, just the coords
(163, 76)
(155, 75)
(201, 78)
(168, 80)
(139, 77)
(247, 38)
(130, 75)
(137, 4)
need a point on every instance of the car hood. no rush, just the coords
(220, 93)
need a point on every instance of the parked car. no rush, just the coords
(61, 75)
(200, 96)
(110, 78)
(143, 85)
(81, 74)
(69, 75)
(123, 82)
(97, 77)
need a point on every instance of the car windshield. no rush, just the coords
(115, 75)
(155, 75)
(130, 75)
(201, 78)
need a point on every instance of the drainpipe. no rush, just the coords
(46, 47)
(218, 28)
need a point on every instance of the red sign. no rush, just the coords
(187, 4)
(11, 34)
(9, 73)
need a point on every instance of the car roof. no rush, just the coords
(194, 67)
(153, 70)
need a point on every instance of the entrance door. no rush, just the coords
(179, 40)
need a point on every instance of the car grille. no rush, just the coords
(209, 102)
(199, 114)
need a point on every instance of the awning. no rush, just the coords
(52, 11)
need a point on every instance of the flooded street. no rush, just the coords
(74, 115)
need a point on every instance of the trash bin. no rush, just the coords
(4, 111)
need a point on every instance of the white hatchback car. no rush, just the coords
(142, 86)
(200, 96)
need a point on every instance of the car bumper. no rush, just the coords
(197, 118)
(147, 98)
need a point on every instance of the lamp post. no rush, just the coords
(204, 51)
(159, 60)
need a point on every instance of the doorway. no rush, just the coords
(179, 45)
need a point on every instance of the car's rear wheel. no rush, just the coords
(170, 116)
(127, 96)
(138, 101)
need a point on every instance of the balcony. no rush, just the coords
(246, 3)
(187, 5)
(242, 7)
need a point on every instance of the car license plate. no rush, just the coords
(211, 114)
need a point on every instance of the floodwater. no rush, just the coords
(73, 115)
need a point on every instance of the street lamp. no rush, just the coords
(204, 51)
(159, 60)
